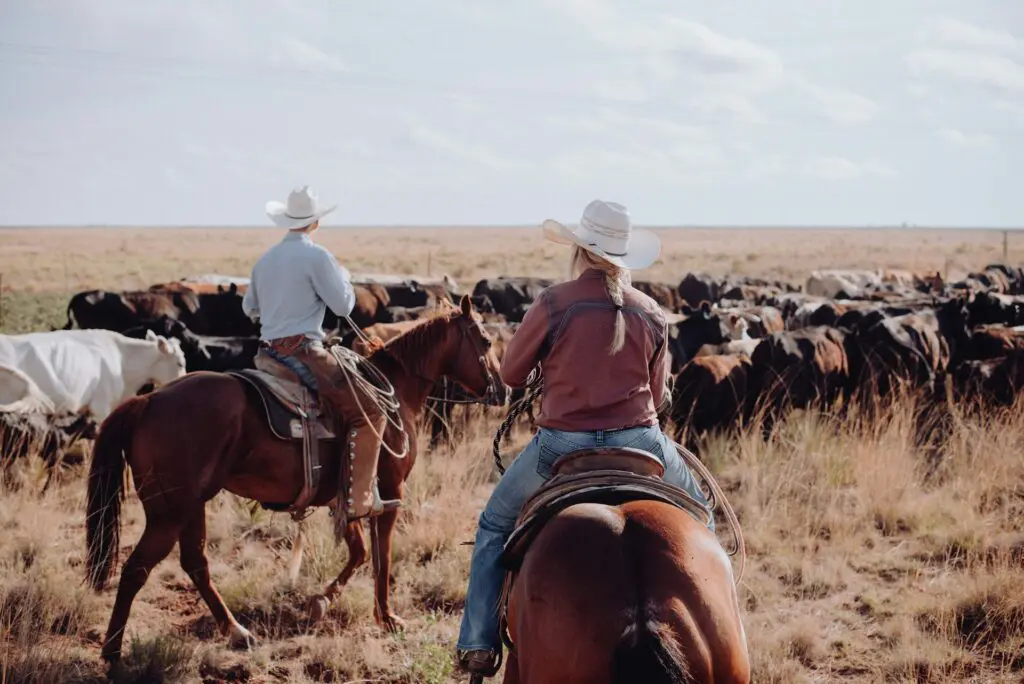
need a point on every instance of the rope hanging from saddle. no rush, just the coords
(714, 492)
(362, 374)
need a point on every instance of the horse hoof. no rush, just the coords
(392, 623)
(241, 639)
(318, 606)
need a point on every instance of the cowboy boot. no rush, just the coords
(361, 495)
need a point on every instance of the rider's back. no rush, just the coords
(292, 280)
(586, 387)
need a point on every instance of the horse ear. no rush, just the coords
(466, 304)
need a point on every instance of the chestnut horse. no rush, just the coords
(206, 432)
(659, 606)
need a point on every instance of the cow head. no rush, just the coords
(698, 327)
(169, 363)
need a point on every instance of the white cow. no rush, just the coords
(20, 394)
(92, 370)
(830, 283)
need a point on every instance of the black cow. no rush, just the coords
(217, 313)
(686, 337)
(795, 369)
(699, 287)
(990, 307)
(511, 297)
(202, 352)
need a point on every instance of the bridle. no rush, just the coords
(491, 394)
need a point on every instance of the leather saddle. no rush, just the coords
(606, 475)
(285, 403)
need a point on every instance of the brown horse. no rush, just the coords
(660, 607)
(206, 432)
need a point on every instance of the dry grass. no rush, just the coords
(71, 259)
(865, 565)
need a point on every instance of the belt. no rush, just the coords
(285, 345)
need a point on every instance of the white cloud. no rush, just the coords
(841, 106)
(301, 54)
(423, 134)
(979, 68)
(918, 91)
(731, 105)
(841, 168)
(959, 138)
(961, 33)
(679, 46)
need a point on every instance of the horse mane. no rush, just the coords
(420, 344)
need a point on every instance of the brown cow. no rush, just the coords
(665, 295)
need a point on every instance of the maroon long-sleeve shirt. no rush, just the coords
(568, 330)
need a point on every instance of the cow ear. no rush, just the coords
(163, 345)
(151, 336)
(705, 308)
(466, 304)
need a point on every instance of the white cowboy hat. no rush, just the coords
(302, 209)
(607, 231)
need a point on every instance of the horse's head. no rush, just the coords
(474, 364)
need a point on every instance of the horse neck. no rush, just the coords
(415, 360)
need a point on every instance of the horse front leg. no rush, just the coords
(318, 605)
(385, 528)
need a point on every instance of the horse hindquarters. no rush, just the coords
(605, 597)
(567, 612)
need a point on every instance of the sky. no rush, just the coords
(689, 112)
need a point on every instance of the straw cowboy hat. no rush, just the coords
(303, 208)
(607, 231)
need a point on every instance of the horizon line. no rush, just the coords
(508, 226)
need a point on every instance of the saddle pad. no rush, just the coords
(282, 404)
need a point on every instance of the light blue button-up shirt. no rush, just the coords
(291, 286)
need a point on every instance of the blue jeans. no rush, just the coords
(525, 476)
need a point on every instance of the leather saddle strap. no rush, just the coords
(310, 455)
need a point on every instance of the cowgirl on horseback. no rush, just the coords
(597, 393)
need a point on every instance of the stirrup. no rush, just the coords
(482, 665)
(379, 506)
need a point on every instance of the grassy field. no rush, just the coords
(866, 564)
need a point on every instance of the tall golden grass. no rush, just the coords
(870, 561)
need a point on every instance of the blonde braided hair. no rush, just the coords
(615, 278)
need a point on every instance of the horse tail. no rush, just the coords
(647, 653)
(106, 490)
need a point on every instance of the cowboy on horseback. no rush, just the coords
(595, 394)
(290, 288)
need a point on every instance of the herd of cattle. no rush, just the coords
(742, 349)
